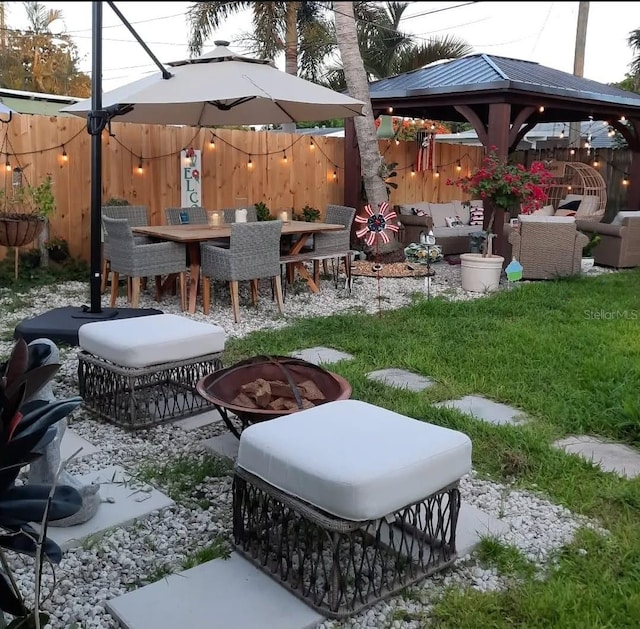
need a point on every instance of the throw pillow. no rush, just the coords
(569, 205)
(453, 221)
(418, 211)
(476, 216)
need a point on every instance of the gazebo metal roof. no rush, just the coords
(432, 91)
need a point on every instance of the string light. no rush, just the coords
(284, 157)
(390, 110)
(433, 126)
(596, 161)
(7, 165)
(541, 109)
(65, 157)
(625, 179)
(437, 173)
(572, 152)
(311, 144)
(623, 119)
(335, 175)
(562, 132)
(212, 141)
(413, 170)
(249, 162)
(397, 141)
(140, 169)
(458, 166)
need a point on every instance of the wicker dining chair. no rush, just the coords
(324, 244)
(142, 260)
(195, 215)
(136, 215)
(253, 254)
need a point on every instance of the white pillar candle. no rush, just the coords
(215, 219)
(241, 216)
(284, 216)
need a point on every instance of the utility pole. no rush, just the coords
(578, 64)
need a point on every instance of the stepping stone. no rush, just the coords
(218, 594)
(473, 524)
(487, 410)
(225, 445)
(72, 442)
(130, 503)
(402, 379)
(198, 421)
(319, 355)
(610, 457)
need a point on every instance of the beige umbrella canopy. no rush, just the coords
(223, 88)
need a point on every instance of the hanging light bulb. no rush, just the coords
(397, 141)
(596, 161)
(433, 126)
(541, 109)
(437, 173)
(284, 157)
(625, 179)
(389, 110)
(312, 144)
(335, 175)
(413, 170)
(140, 169)
(572, 152)
(249, 162)
(7, 165)
(458, 166)
(212, 141)
(562, 133)
(623, 119)
(65, 157)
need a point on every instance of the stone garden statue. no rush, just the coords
(45, 468)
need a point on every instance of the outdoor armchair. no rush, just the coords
(325, 245)
(142, 260)
(194, 215)
(547, 249)
(619, 244)
(253, 254)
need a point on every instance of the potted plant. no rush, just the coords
(58, 249)
(504, 188)
(588, 260)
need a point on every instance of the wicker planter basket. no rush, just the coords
(17, 230)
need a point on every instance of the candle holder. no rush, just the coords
(284, 216)
(216, 219)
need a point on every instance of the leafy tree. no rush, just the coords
(37, 60)
(634, 74)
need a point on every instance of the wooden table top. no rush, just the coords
(196, 233)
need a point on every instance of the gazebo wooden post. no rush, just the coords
(352, 168)
(631, 134)
(498, 132)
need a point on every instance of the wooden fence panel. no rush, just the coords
(313, 173)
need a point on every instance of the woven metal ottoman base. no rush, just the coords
(337, 566)
(145, 396)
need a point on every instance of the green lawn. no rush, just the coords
(568, 354)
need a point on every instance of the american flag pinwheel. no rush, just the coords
(375, 225)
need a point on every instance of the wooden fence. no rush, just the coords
(237, 165)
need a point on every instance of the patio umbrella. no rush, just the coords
(223, 88)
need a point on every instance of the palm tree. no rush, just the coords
(300, 30)
(634, 42)
(387, 50)
(357, 82)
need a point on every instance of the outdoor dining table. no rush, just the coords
(192, 235)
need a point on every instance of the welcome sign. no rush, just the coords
(190, 178)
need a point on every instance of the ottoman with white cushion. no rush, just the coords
(143, 371)
(347, 503)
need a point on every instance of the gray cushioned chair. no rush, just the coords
(142, 260)
(338, 243)
(253, 254)
(196, 215)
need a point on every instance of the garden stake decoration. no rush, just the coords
(374, 228)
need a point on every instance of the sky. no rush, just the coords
(543, 32)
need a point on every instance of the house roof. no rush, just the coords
(480, 77)
(35, 103)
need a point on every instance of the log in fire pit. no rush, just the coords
(266, 387)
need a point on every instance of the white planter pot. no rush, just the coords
(480, 274)
(586, 264)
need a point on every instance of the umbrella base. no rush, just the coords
(61, 325)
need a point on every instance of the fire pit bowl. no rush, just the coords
(224, 386)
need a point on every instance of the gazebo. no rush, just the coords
(502, 99)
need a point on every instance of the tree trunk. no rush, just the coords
(291, 50)
(358, 86)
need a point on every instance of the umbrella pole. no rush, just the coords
(96, 155)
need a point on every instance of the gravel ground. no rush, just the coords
(128, 557)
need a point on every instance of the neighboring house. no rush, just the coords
(35, 103)
(545, 135)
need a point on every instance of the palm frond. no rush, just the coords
(205, 17)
